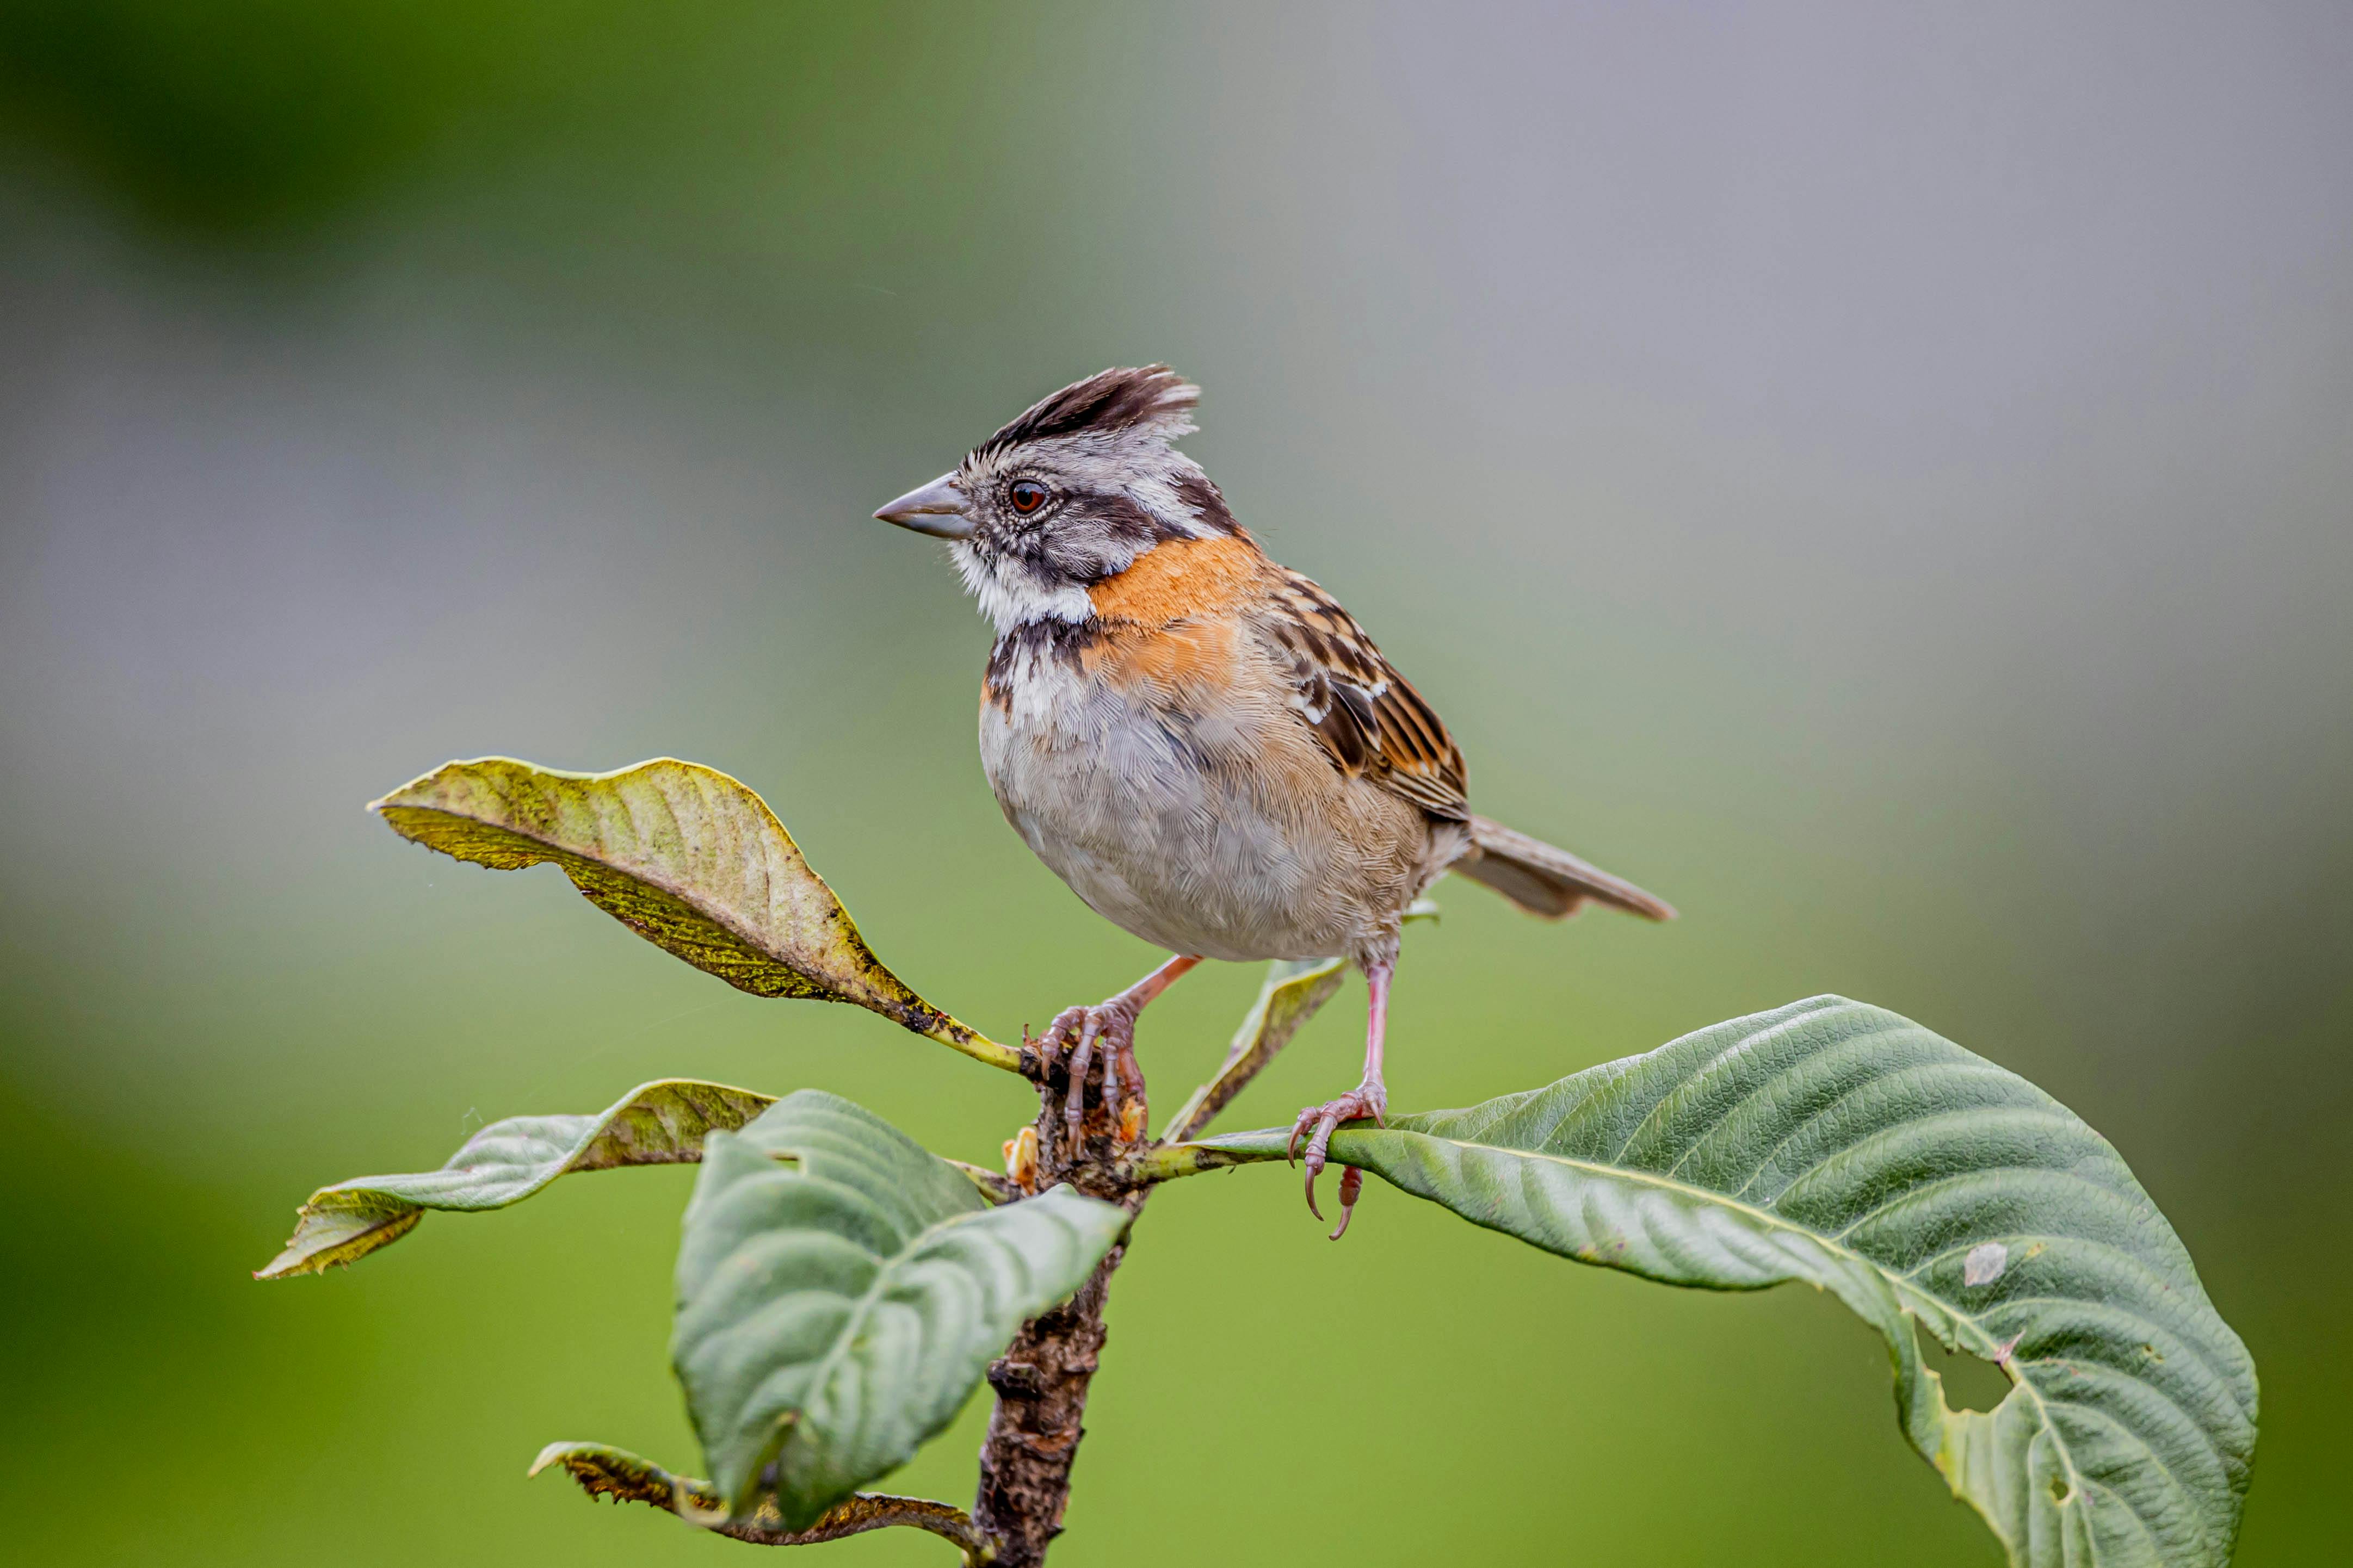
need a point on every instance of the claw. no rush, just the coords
(1048, 1046)
(1319, 1145)
(1352, 1182)
(1082, 1055)
(1303, 1128)
(1105, 1032)
(1114, 1093)
(1317, 1124)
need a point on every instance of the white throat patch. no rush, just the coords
(1010, 598)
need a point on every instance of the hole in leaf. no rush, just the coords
(1969, 1383)
(2060, 1491)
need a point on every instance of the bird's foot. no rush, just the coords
(1317, 1124)
(1104, 1032)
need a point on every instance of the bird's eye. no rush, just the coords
(1028, 496)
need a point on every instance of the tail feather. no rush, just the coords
(1548, 881)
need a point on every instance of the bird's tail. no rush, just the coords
(1548, 881)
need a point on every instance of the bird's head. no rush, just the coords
(1070, 493)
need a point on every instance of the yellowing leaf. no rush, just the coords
(689, 860)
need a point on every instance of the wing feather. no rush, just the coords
(1369, 718)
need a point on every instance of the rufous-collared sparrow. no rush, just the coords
(1204, 746)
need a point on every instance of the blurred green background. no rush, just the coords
(1877, 476)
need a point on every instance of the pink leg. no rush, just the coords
(1369, 1098)
(1111, 1026)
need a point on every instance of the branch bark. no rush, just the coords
(1042, 1386)
(1042, 1381)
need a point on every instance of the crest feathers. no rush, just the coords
(1150, 400)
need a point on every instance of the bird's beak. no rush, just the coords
(939, 509)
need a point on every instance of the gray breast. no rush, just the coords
(1147, 816)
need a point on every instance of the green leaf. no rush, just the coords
(659, 1123)
(841, 1291)
(602, 1471)
(1846, 1147)
(687, 857)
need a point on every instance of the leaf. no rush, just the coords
(659, 1123)
(618, 1473)
(1841, 1145)
(841, 1291)
(687, 857)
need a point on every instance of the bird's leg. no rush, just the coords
(1370, 1098)
(1108, 1026)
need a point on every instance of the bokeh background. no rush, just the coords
(1878, 475)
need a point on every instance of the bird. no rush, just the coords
(1200, 740)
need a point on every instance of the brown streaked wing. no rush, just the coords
(1366, 715)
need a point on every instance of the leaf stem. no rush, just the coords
(1166, 1162)
(995, 1185)
(959, 1036)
